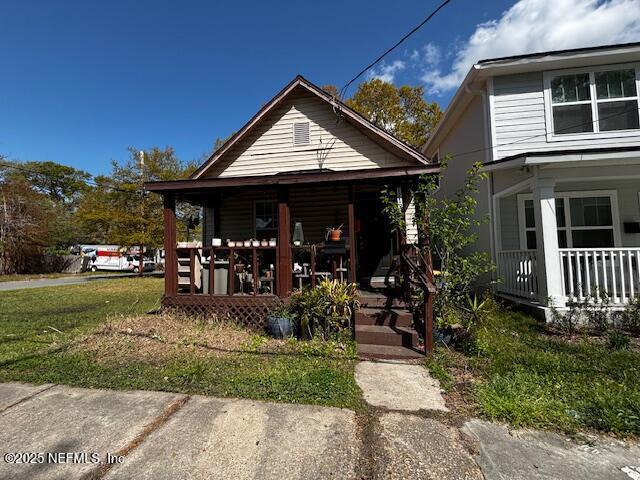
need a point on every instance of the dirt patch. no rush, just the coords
(155, 338)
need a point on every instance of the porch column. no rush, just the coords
(284, 244)
(549, 275)
(170, 258)
(352, 236)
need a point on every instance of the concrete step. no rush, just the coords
(384, 335)
(387, 352)
(391, 318)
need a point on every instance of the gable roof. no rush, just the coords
(377, 134)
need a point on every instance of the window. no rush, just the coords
(596, 101)
(530, 224)
(583, 221)
(301, 133)
(266, 219)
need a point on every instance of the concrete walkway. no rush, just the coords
(71, 280)
(78, 433)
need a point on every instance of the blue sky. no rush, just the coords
(81, 80)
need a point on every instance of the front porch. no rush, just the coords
(264, 239)
(567, 239)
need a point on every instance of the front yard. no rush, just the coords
(99, 335)
(523, 373)
(515, 370)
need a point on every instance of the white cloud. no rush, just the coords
(387, 72)
(540, 25)
(428, 55)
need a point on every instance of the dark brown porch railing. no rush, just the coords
(199, 277)
(417, 270)
(339, 265)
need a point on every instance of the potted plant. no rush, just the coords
(280, 321)
(340, 302)
(335, 233)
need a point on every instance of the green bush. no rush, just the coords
(630, 317)
(325, 309)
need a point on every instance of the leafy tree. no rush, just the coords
(402, 111)
(118, 211)
(24, 224)
(448, 225)
(62, 186)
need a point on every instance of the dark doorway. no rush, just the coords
(374, 241)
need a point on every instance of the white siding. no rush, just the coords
(411, 229)
(519, 114)
(269, 148)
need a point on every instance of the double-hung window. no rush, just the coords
(602, 102)
(584, 219)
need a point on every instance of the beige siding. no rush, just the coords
(411, 228)
(336, 145)
(519, 114)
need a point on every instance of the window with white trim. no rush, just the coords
(595, 101)
(583, 221)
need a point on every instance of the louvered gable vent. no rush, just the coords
(301, 133)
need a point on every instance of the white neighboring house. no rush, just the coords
(559, 136)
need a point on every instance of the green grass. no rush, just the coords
(33, 320)
(22, 277)
(531, 379)
(32, 350)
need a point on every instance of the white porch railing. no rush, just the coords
(518, 273)
(613, 272)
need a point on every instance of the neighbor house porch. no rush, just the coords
(565, 235)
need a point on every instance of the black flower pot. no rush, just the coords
(280, 327)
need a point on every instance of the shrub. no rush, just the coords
(630, 317)
(324, 310)
(449, 225)
(617, 340)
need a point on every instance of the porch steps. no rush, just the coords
(386, 317)
(387, 352)
(383, 335)
(383, 328)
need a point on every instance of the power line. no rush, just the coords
(396, 45)
(539, 135)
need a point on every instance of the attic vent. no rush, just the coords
(301, 133)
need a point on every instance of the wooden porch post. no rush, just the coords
(284, 247)
(170, 258)
(352, 236)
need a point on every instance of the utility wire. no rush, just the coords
(343, 90)
(539, 135)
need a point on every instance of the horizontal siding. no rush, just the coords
(316, 208)
(520, 125)
(411, 227)
(269, 149)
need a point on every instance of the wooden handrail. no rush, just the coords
(425, 281)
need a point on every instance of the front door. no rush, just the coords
(374, 241)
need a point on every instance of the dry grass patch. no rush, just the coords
(155, 339)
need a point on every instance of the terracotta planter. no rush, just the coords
(334, 235)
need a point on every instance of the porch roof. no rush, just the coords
(302, 178)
